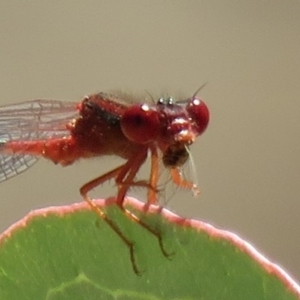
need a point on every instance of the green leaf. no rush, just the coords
(71, 253)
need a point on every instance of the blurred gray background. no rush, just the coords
(249, 53)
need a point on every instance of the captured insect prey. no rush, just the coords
(105, 124)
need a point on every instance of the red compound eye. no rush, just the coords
(140, 124)
(199, 113)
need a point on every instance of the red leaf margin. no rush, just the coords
(212, 231)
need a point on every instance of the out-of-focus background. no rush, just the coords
(249, 53)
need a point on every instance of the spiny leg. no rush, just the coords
(84, 190)
(157, 234)
(124, 177)
(140, 183)
(152, 199)
(92, 184)
(127, 174)
(99, 180)
(180, 181)
(127, 178)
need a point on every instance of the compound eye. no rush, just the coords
(140, 124)
(199, 114)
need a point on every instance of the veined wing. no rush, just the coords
(31, 120)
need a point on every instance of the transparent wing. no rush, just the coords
(32, 120)
(37, 119)
(13, 165)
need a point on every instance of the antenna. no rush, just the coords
(199, 89)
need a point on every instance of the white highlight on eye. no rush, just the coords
(196, 101)
(145, 107)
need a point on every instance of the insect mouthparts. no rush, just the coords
(175, 156)
(104, 125)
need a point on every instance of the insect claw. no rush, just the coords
(157, 234)
(133, 260)
(103, 124)
(165, 253)
(117, 230)
(195, 190)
